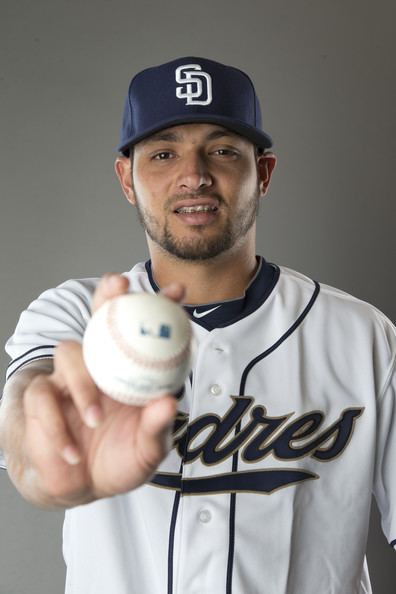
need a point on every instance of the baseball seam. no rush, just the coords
(134, 355)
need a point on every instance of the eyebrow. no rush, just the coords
(167, 136)
(220, 133)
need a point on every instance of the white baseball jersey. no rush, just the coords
(285, 428)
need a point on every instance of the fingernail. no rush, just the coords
(71, 455)
(93, 416)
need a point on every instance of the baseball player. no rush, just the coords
(257, 478)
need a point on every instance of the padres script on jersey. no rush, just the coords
(283, 431)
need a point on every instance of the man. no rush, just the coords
(286, 424)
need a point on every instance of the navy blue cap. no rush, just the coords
(190, 90)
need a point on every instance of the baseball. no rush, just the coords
(137, 347)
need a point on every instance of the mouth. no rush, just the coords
(197, 211)
(197, 208)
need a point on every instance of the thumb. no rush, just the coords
(153, 440)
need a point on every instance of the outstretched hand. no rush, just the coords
(81, 444)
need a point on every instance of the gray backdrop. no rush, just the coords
(325, 72)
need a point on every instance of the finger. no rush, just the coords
(111, 285)
(174, 291)
(154, 435)
(42, 404)
(73, 379)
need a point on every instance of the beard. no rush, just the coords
(200, 248)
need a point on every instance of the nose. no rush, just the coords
(194, 173)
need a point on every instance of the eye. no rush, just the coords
(162, 156)
(226, 152)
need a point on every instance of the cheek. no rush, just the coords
(149, 186)
(242, 183)
(145, 194)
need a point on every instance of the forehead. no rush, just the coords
(194, 133)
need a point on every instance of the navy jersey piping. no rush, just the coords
(149, 271)
(256, 295)
(284, 336)
(249, 367)
(176, 502)
(43, 356)
(252, 304)
(171, 544)
(44, 346)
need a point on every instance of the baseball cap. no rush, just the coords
(189, 90)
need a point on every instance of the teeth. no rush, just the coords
(199, 208)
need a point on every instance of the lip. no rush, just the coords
(197, 201)
(197, 219)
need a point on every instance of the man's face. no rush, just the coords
(196, 188)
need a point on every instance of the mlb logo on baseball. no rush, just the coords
(163, 331)
(197, 85)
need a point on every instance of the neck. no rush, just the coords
(221, 278)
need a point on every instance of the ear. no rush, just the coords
(123, 171)
(265, 166)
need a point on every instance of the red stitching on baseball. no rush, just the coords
(131, 353)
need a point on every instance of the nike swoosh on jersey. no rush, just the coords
(202, 314)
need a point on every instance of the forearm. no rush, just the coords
(12, 436)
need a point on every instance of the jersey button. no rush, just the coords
(205, 516)
(215, 390)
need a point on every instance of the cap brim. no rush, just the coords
(257, 137)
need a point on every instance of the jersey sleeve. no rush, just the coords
(385, 475)
(58, 314)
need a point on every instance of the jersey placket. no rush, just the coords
(203, 518)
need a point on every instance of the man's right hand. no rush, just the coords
(77, 444)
